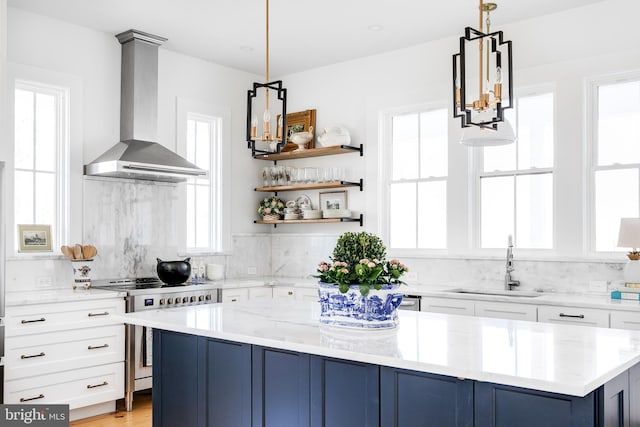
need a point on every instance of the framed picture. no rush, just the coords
(301, 121)
(34, 237)
(333, 200)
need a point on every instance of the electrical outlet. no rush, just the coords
(251, 271)
(44, 281)
(410, 276)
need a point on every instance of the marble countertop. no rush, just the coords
(565, 359)
(39, 296)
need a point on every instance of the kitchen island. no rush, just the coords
(272, 364)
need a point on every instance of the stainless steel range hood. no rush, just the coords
(137, 155)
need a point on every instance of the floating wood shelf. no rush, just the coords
(312, 152)
(275, 222)
(313, 186)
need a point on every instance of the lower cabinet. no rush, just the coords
(409, 398)
(201, 381)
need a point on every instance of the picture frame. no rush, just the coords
(300, 121)
(333, 200)
(34, 237)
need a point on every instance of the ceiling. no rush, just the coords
(304, 34)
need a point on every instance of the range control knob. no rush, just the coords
(170, 301)
(192, 299)
(161, 301)
(185, 299)
(201, 298)
(208, 297)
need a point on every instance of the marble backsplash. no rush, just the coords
(133, 223)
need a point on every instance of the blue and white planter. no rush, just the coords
(378, 310)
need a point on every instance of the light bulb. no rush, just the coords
(266, 117)
(498, 75)
(254, 121)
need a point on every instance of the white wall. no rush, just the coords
(561, 50)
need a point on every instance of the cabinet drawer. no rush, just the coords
(506, 311)
(259, 293)
(625, 320)
(307, 294)
(280, 292)
(574, 316)
(77, 388)
(235, 295)
(39, 354)
(40, 318)
(447, 305)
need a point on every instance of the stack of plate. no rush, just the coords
(336, 213)
(311, 214)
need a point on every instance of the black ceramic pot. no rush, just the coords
(173, 272)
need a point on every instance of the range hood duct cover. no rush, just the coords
(138, 156)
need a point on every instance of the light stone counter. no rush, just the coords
(563, 359)
(14, 299)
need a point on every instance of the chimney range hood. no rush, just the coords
(137, 155)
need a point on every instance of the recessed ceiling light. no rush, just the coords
(374, 27)
(246, 48)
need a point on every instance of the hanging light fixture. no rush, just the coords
(271, 142)
(491, 90)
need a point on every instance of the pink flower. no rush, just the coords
(364, 261)
(371, 265)
(344, 270)
(376, 260)
(324, 267)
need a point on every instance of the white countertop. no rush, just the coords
(563, 359)
(13, 299)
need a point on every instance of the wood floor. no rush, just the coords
(139, 417)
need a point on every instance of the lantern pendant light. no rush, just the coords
(271, 142)
(479, 101)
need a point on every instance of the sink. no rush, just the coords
(496, 292)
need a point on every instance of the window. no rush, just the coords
(40, 157)
(418, 180)
(202, 144)
(615, 165)
(516, 180)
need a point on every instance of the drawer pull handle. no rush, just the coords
(98, 385)
(23, 399)
(290, 293)
(106, 313)
(573, 316)
(42, 319)
(93, 347)
(24, 356)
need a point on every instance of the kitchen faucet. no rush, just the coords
(509, 283)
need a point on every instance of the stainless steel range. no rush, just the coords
(150, 293)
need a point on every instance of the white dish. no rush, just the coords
(303, 200)
(336, 213)
(311, 214)
(291, 216)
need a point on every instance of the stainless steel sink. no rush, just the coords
(521, 294)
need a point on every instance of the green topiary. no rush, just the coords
(352, 247)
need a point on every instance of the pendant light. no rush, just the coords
(491, 89)
(271, 142)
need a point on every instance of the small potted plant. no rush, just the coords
(271, 208)
(359, 287)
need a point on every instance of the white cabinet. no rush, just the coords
(262, 292)
(307, 294)
(574, 316)
(447, 306)
(506, 310)
(284, 293)
(625, 320)
(66, 353)
(235, 295)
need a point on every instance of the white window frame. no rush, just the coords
(69, 185)
(220, 195)
(385, 150)
(476, 172)
(590, 155)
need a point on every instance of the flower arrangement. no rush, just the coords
(359, 258)
(271, 206)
